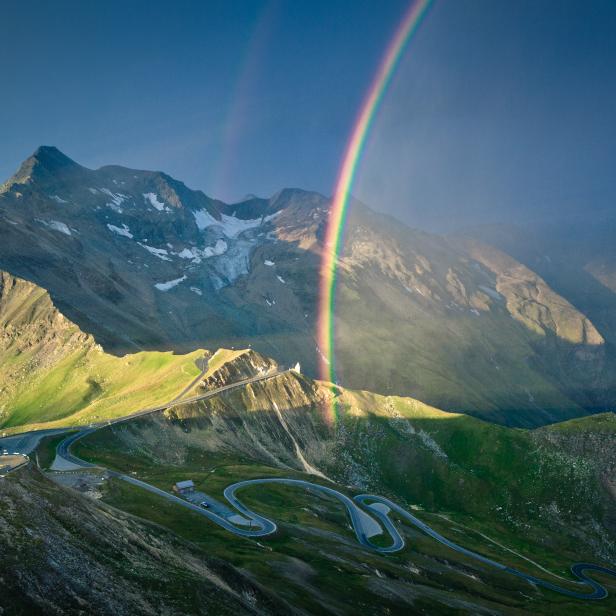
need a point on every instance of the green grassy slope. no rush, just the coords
(92, 386)
(53, 374)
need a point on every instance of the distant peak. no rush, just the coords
(51, 157)
(297, 196)
(47, 164)
(250, 197)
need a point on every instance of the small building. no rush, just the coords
(184, 487)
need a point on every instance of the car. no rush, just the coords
(204, 504)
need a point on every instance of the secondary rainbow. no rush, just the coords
(337, 216)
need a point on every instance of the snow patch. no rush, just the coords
(196, 290)
(217, 282)
(152, 198)
(124, 231)
(230, 225)
(165, 286)
(268, 263)
(56, 225)
(493, 293)
(161, 253)
(59, 226)
(197, 254)
(116, 198)
(235, 263)
(281, 279)
(58, 199)
(219, 248)
(204, 219)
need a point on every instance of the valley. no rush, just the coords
(364, 524)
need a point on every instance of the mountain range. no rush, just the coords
(468, 323)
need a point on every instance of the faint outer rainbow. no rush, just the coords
(337, 215)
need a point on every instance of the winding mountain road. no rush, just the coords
(358, 508)
(365, 510)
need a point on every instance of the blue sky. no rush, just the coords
(499, 110)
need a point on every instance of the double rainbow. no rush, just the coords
(333, 240)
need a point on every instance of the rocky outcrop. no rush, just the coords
(241, 365)
(532, 302)
(29, 320)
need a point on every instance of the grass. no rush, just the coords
(311, 526)
(483, 485)
(89, 386)
(46, 449)
(486, 478)
(604, 423)
(53, 374)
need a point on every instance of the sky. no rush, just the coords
(499, 110)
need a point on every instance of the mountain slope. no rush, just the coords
(52, 372)
(140, 261)
(97, 240)
(576, 257)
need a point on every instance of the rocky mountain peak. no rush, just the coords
(47, 165)
(52, 157)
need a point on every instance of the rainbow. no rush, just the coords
(333, 240)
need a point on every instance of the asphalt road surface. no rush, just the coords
(27, 442)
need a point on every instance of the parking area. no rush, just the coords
(11, 461)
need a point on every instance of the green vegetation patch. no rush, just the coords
(91, 386)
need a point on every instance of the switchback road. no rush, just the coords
(365, 510)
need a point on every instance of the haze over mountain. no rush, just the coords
(140, 261)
